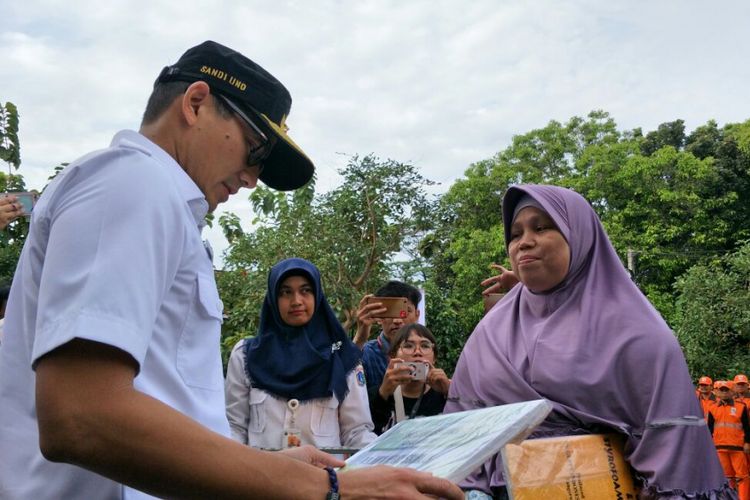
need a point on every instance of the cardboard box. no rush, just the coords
(568, 468)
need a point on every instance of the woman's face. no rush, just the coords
(296, 301)
(416, 348)
(539, 254)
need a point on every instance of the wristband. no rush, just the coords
(333, 494)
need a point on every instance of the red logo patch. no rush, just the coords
(403, 314)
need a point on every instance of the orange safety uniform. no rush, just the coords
(706, 403)
(739, 379)
(730, 428)
(747, 403)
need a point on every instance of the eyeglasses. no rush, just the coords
(258, 154)
(410, 347)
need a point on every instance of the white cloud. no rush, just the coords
(439, 83)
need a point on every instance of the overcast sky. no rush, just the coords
(437, 83)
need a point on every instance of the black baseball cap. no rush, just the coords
(256, 92)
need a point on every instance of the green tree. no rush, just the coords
(666, 209)
(13, 236)
(10, 149)
(713, 316)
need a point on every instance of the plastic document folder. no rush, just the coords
(568, 468)
(452, 445)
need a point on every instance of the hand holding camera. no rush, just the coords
(400, 372)
(417, 369)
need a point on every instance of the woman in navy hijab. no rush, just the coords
(300, 380)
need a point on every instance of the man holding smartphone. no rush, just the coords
(110, 371)
(375, 352)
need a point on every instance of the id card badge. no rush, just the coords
(292, 438)
(292, 435)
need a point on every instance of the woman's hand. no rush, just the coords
(500, 283)
(10, 209)
(394, 376)
(438, 380)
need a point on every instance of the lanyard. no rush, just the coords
(380, 345)
(415, 408)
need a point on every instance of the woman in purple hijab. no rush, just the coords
(578, 332)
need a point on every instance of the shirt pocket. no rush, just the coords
(198, 352)
(324, 420)
(257, 412)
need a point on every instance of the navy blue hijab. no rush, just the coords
(303, 362)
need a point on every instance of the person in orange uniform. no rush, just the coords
(742, 393)
(741, 387)
(705, 396)
(730, 428)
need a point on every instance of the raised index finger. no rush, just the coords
(498, 267)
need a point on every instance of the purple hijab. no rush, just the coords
(600, 353)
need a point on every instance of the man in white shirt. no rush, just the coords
(110, 374)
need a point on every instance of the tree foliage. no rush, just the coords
(713, 317)
(13, 236)
(10, 149)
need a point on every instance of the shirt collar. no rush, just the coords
(189, 191)
(385, 346)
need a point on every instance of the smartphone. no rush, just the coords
(27, 201)
(490, 300)
(395, 307)
(418, 369)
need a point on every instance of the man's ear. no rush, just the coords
(196, 96)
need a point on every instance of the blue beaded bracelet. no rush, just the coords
(334, 480)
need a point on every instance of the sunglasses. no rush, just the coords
(258, 154)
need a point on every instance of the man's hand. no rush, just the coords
(499, 283)
(746, 447)
(366, 316)
(313, 456)
(383, 482)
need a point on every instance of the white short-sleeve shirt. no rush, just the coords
(114, 255)
(258, 418)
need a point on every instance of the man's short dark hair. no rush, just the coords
(164, 95)
(400, 289)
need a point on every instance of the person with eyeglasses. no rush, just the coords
(111, 376)
(420, 396)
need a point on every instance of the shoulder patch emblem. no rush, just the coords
(360, 376)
